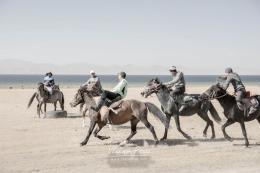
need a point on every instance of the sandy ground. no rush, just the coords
(30, 144)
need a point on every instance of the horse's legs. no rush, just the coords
(134, 123)
(55, 106)
(242, 124)
(45, 108)
(228, 123)
(150, 127)
(61, 104)
(84, 116)
(205, 117)
(38, 110)
(39, 106)
(177, 122)
(166, 129)
(97, 129)
(90, 130)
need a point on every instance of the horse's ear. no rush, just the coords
(157, 80)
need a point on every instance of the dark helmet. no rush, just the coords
(50, 73)
(229, 70)
(122, 74)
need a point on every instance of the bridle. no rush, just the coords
(153, 89)
(217, 97)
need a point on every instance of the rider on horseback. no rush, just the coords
(93, 84)
(177, 85)
(240, 91)
(119, 92)
(49, 82)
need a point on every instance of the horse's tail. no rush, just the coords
(157, 113)
(31, 100)
(214, 113)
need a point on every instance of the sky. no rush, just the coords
(205, 35)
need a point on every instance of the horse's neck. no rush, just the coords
(89, 100)
(225, 102)
(163, 97)
(42, 92)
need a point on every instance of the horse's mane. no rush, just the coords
(229, 96)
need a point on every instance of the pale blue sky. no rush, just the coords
(186, 33)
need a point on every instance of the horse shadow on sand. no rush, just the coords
(176, 142)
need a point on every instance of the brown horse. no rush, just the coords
(127, 110)
(43, 97)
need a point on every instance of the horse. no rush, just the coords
(43, 97)
(81, 98)
(129, 110)
(171, 108)
(231, 110)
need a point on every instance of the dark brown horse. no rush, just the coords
(129, 110)
(231, 110)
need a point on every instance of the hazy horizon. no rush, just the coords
(199, 37)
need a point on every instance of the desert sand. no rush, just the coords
(30, 144)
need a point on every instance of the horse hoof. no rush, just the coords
(105, 137)
(213, 137)
(123, 143)
(156, 143)
(229, 139)
(163, 139)
(188, 137)
(205, 135)
(83, 143)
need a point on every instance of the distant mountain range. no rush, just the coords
(25, 67)
(14, 66)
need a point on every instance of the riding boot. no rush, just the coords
(252, 110)
(98, 107)
(241, 106)
(182, 108)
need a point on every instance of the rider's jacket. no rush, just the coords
(93, 81)
(177, 81)
(235, 80)
(49, 81)
(121, 88)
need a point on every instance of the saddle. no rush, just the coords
(185, 99)
(250, 100)
(116, 105)
(114, 102)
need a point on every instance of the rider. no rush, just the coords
(93, 81)
(240, 91)
(49, 82)
(118, 92)
(177, 84)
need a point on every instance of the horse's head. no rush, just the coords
(153, 86)
(77, 99)
(40, 87)
(215, 91)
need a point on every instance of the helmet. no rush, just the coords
(173, 68)
(92, 72)
(228, 70)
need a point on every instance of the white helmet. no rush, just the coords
(173, 68)
(92, 72)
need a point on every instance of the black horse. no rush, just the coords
(171, 108)
(231, 110)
